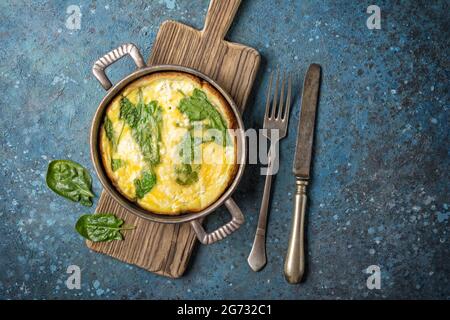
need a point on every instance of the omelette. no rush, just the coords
(165, 143)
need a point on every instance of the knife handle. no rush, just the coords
(294, 265)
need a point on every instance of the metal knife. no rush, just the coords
(294, 265)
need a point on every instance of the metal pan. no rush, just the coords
(112, 90)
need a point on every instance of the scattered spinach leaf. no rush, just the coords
(144, 184)
(70, 180)
(101, 227)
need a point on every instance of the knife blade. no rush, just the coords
(305, 135)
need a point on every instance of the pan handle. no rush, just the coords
(223, 231)
(108, 59)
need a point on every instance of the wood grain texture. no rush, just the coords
(162, 248)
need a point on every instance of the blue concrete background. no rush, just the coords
(380, 191)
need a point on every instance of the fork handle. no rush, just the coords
(294, 265)
(257, 257)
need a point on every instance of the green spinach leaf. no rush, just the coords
(145, 121)
(186, 173)
(109, 131)
(116, 164)
(144, 184)
(70, 180)
(197, 108)
(187, 148)
(147, 132)
(128, 112)
(101, 227)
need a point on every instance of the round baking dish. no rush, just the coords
(113, 90)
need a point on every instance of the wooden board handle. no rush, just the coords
(219, 18)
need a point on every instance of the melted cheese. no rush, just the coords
(167, 196)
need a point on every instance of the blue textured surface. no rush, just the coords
(380, 191)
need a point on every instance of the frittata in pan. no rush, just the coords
(164, 143)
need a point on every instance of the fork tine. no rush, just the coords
(288, 99)
(269, 87)
(280, 105)
(275, 96)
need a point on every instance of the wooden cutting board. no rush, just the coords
(165, 249)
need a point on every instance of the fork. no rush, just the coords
(275, 118)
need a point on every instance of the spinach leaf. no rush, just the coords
(101, 227)
(70, 180)
(144, 184)
(186, 173)
(116, 164)
(109, 131)
(145, 121)
(197, 108)
(128, 112)
(187, 148)
(147, 132)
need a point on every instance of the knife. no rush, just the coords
(294, 265)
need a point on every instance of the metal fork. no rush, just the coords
(276, 117)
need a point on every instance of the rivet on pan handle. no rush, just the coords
(108, 59)
(223, 231)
